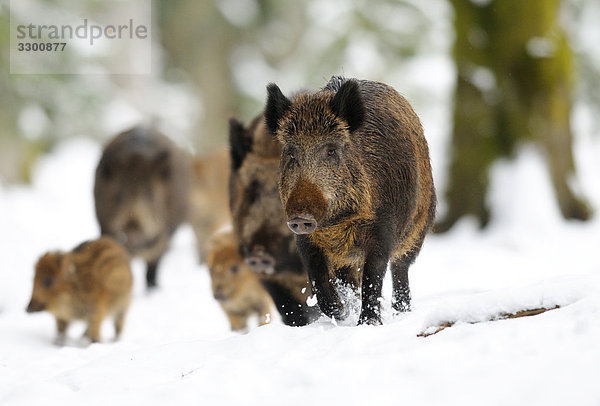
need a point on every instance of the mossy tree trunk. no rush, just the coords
(514, 85)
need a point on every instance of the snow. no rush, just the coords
(177, 347)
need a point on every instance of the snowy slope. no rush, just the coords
(177, 347)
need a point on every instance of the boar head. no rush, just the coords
(258, 218)
(51, 272)
(133, 192)
(321, 171)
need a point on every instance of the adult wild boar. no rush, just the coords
(141, 193)
(259, 221)
(357, 189)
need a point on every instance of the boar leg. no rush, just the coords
(401, 290)
(264, 314)
(349, 276)
(94, 323)
(372, 283)
(151, 274)
(119, 322)
(61, 328)
(237, 321)
(291, 307)
(318, 272)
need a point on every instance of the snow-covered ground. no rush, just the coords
(177, 347)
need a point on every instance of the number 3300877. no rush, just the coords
(42, 46)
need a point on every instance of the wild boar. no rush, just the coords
(141, 193)
(266, 243)
(235, 286)
(356, 186)
(89, 283)
(208, 204)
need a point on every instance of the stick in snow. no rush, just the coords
(503, 316)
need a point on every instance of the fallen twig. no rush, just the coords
(502, 316)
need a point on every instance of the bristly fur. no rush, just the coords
(259, 222)
(334, 84)
(240, 143)
(359, 148)
(275, 109)
(347, 104)
(89, 283)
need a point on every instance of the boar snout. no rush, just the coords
(219, 295)
(261, 262)
(303, 224)
(305, 208)
(35, 306)
(132, 235)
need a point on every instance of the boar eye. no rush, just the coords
(290, 152)
(331, 152)
(47, 282)
(233, 269)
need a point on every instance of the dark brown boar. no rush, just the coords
(89, 283)
(208, 207)
(356, 185)
(141, 193)
(259, 221)
(235, 286)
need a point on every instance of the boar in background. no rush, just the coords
(141, 193)
(259, 222)
(208, 204)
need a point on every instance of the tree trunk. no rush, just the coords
(514, 85)
(199, 40)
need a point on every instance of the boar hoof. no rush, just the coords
(337, 311)
(303, 224)
(369, 318)
(60, 340)
(401, 306)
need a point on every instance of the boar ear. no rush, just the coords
(277, 105)
(347, 104)
(240, 143)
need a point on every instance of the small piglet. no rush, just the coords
(89, 283)
(235, 286)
